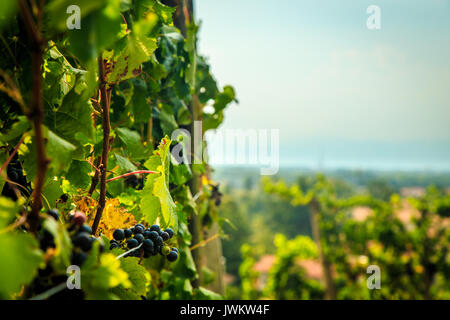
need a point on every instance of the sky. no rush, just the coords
(340, 94)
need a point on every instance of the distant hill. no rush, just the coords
(248, 177)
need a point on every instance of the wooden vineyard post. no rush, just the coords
(326, 266)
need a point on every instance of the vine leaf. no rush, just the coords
(132, 141)
(212, 121)
(149, 13)
(99, 26)
(167, 118)
(205, 294)
(52, 190)
(156, 198)
(60, 151)
(19, 127)
(114, 217)
(164, 12)
(72, 120)
(8, 210)
(125, 60)
(78, 174)
(161, 190)
(150, 205)
(21, 258)
(139, 278)
(142, 109)
(60, 77)
(101, 273)
(124, 164)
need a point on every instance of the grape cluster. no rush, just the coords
(82, 238)
(80, 233)
(82, 241)
(152, 240)
(15, 174)
(216, 194)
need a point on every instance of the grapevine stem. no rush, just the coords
(105, 101)
(13, 92)
(15, 225)
(197, 195)
(92, 165)
(204, 242)
(47, 294)
(12, 154)
(36, 114)
(131, 250)
(131, 174)
(15, 184)
(95, 177)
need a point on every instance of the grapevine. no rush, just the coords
(86, 173)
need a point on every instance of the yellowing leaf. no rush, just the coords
(101, 274)
(113, 217)
(118, 277)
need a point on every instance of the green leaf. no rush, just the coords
(125, 5)
(224, 98)
(78, 174)
(21, 258)
(167, 118)
(52, 191)
(212, 121)
(150, 205)
(190, 46)
(99, 27)
(205, 294)
(184, 117)
(139, 278)
(124, 164)
(156, 197)
(126, 58)
(8, 210)
(57, 15)
(18, 129)
(132, 141)
(164, 12)
(186, 264)
(7, 11)
(102, 272)
(71, 119)
(60, 77)
(161, 190)
(29, 159)
(206, 85)
(59, 151)
(146, 9)
(142, 110)
(180, 173)
(443, 207)
(184, 196)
